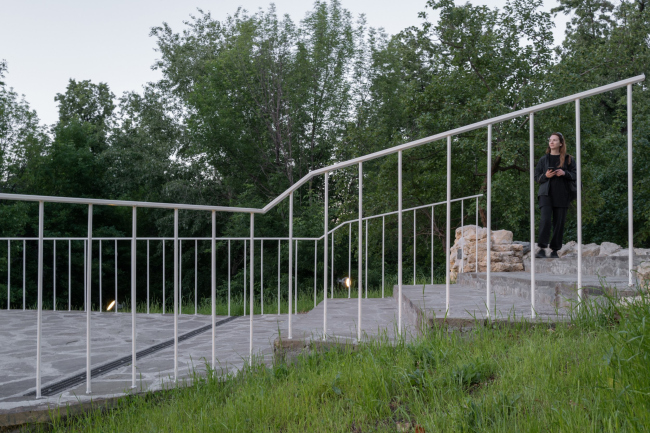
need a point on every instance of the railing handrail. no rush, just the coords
(339, 165)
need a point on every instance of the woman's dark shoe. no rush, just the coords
(541, 254)
(554, 255)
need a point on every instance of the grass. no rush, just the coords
(590, 374)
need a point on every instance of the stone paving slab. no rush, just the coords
(64, 350)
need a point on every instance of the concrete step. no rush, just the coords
(614, 266)
(550, 289)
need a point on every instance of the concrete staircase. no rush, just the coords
(556, 279)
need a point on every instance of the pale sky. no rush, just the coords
(48, 42)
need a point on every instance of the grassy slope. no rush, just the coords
(592, 375)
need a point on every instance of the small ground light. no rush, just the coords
(110, 306)
(348, 281)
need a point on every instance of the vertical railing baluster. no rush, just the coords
(414, 248)
(251, 296)
(53, 276)
(180, 277)
(578, 201)
(349, 258)
(462, 234)
(89, 260)
(295, 294)
(448, 234)
(531, 120)
(69, 277)
(488, 248)
(244, 277)
(432, 216)
(213, 285)
(101, 304)
(279, 279)
(325, 236)
(176, 274)
(365, 280)
(147, 276)
(134, 249)
(9, 274)
(399, 242)
(630, 197)
(290, 259)
(332, 271)
(39, 302)
(476, 240)
(115, 309)
(196, 270)
(25, 281)
(360, 261)
(315, 270)
(383, 238)
(228, 277)
(262, 276)
(163, 276)
(86, 274)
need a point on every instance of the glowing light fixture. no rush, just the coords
(348, 281)
(110, 306)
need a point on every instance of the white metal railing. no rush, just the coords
(288, 194)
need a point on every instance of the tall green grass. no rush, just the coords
(590, 374)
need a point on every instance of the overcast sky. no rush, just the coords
(48, 42)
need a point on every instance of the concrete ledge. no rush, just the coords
(614, 266)
(287, 351)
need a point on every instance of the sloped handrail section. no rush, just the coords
(327, 232)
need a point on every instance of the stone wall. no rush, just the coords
(506, 255)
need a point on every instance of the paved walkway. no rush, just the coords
(64, 341)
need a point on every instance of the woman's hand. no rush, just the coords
(559, 172)
(550, 173)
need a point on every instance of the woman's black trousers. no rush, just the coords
(558, 215)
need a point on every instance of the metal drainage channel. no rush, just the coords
(80, 378)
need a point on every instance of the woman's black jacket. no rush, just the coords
(542, 166)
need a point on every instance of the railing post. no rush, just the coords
(89, 260)
(134, 249)
(39, 305)
(290, 259)
(399, 242)
(448, 234)
(532, 215)
(630, 197)
(488, 251)
(325, 236)
(176, 295)
(213, 284)
(579, 199)
(86, 273)
(360, 262)
(252, 294)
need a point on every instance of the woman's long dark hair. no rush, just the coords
(562, 149)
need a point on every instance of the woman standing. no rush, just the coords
(555, 171)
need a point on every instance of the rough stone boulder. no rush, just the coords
(643, 274)
(506, 255)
